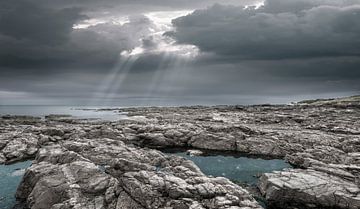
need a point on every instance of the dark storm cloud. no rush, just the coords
(22, 20)
(284, 48)
(278, 30)
(30, 34)
(130, 6)
(37, 34)
(36, 37)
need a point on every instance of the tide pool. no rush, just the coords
(238, 169)
(10, 177)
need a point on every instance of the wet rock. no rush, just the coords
(2, 158)
(194, 152)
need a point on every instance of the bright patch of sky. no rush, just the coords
(155, 42)
(159, 43)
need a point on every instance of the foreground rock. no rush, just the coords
(102, 165)
(309, 189)
(107, 173)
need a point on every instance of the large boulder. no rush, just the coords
(20, 148)
(77, 184)
(309, 189)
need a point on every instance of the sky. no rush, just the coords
(177, 52)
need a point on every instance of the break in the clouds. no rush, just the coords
(177, 52)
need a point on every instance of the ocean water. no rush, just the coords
(239, 169)
(10, 177)
(83, 112)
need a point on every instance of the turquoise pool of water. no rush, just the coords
(239, 169)
(10, 177)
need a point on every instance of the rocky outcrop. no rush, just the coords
(20, 147)
(309, 189)
(321, 138)
(109, 174)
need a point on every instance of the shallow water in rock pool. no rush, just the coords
(239, 169)
(10, 177)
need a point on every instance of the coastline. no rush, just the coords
(320, 138)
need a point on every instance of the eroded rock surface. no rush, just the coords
(114, 164)
(309, 189)
(107, 173)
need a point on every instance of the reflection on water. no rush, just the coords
(77, 112)
(10, 177)
(239, 169)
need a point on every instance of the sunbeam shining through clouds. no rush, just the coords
(180, 104)
(171, 56)
(178, 52)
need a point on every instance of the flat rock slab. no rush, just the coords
(310, 189)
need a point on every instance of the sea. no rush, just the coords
(81, 112)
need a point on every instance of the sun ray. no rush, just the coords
(107, 82)
(158, 77)
(119, 79)
(172, 55)
(170, 87)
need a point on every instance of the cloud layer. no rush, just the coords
(66, 50)
(32, 36)
(278, 30)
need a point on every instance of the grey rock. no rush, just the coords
(20, 148)
(64, 176)
(102, 165)
(211, 141)
(194, 152)
(309, 188)
(2, 158)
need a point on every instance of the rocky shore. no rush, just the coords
(92, 164)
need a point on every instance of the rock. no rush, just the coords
(257, 146)
(94, 164)
(125, 201)
(43, 139)
(309, 189)
(20, 148)
(53, 132)
(155, 140)
(15, 149)
(74, 184)
(194, 152)
(211, 141)
(135, 178)
(2, 158)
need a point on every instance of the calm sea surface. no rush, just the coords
(75, 111)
